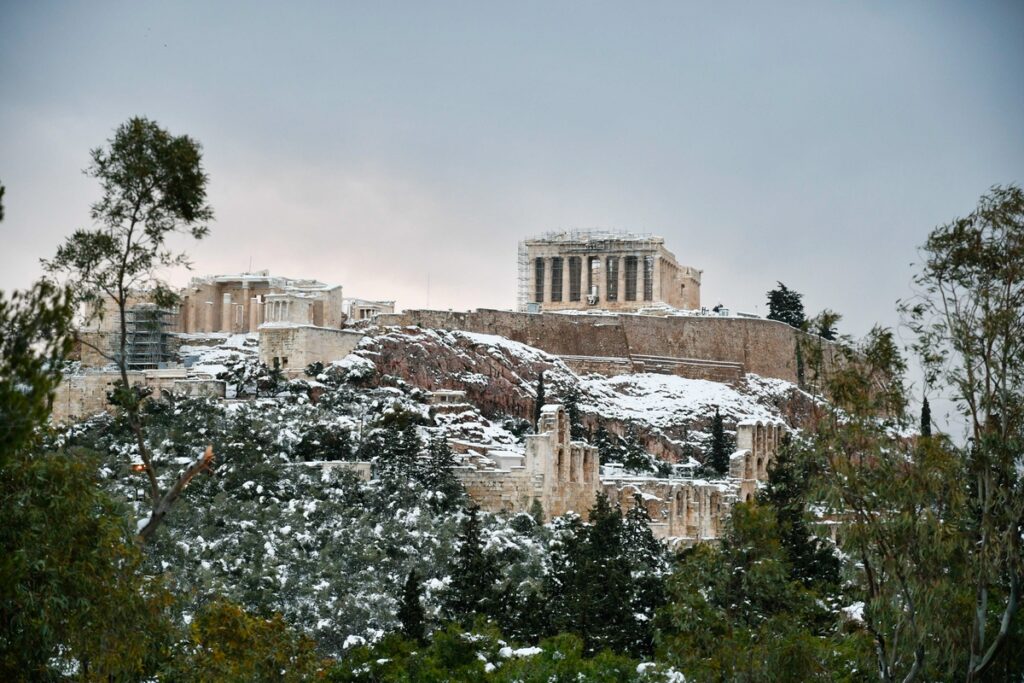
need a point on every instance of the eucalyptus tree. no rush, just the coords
(152, 186)
(968, 318)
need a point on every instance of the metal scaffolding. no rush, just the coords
(147, 338)
(523, 284)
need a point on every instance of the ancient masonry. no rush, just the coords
(610, 303)
(602, 270)
(720, 348)
(563, 476)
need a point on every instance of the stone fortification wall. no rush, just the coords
(81, 396)
(557, 333)
(731, 345)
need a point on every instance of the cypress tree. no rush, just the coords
(811, 560)
(606, 582)
(475, 574)
(571, 401)
(410, 611)
(649, 567)
(439, 475)
(719, 445)
(539, 402)
(926, 418)
(799, 364)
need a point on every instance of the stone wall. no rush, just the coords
(84, 395)
(757, 444)
(562, 475)
(764, 347)
(297, 346)
(689, 510)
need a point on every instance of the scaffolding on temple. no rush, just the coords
(147, 338)
(523, 284)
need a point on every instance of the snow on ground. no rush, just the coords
(666, 400)
(213, 359)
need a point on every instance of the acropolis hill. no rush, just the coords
(603, 312)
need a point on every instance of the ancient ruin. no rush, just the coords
(604, 303)
(241, 303)
(561, 475)
(603, 271)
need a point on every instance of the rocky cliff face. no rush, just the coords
(669, 415)
(499, 376)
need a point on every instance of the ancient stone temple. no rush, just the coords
(603, 271)
(241, 303)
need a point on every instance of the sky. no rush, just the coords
(402, 149)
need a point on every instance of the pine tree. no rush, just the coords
(474, 576)
(539, 401)
(405, 451)
(410, 611)
(719, 445)
(634, 455)
(607, 448)
(926, 418)
(785, 305)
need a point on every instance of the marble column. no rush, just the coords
(622, 279)
(565, 278)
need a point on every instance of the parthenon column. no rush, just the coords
(548, 279)
(656, 274)
(622, 279)
(565, 278)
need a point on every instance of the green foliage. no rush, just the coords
(594, 576)
(35, 338)
(926, 418)
(438, 476)
(571, 400)
(323, 442)
(227, 643)
(455, 656)
(824, 324)
(71, 589)
(410, 611)
(721, 446)
(785, 305)
(474, 575)
(734, 613)
(968, 319)
(153, 186)
(812, 560)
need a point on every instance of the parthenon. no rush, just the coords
(603, 270)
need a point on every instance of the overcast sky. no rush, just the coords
(380, 145)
